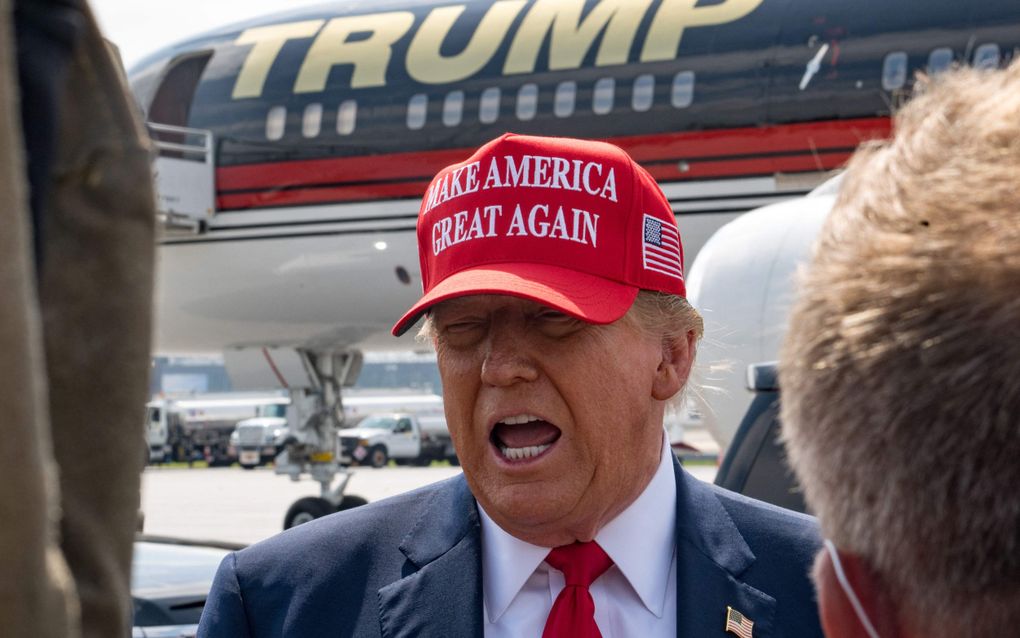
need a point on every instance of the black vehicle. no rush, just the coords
(755, 463)
(170, 580)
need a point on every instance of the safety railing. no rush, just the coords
(184, 175)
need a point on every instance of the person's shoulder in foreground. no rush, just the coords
(323, 578)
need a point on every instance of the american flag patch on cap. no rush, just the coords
(737, 623)
(661, 248)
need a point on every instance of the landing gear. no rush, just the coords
(307, 509)
(350, 502)
(310, 508)
(314, 446)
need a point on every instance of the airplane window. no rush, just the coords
(566, 95)
(276, 119)
(527, 101)
(488, 106)
(453, 108)
(602, 99)
(311, 122)
(417, 108)
(987, 56)
(683, 89)
(940, 60)
(346, 117)
(894, 71)
(644, 92)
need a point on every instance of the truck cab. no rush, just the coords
(156, 432)
(259, 439)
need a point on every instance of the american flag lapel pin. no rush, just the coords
(738, 623)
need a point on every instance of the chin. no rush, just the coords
(529, 506)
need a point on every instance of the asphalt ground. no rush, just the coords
(246, 506)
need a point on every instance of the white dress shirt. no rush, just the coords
(635, 597)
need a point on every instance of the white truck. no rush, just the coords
(199, 427)
(257, 441)
(404, 437)
(188, 429)
(157, 433)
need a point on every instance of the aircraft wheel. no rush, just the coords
(377, 456)
(307, 509)
(350, 502)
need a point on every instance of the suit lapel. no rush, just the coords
(711, 557)
(441, 594)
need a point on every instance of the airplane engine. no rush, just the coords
(743, 283)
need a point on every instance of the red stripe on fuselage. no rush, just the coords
(334, 170)
(718, 169)
(754, 141)
(669, 157)
(321, 195)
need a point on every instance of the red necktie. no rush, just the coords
(573, 613)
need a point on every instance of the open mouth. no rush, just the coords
(523, 437)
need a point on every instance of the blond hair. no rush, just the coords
(901, 368)
(658, 313)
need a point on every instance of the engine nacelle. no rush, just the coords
(743, 283)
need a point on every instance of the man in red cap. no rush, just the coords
(554, 296)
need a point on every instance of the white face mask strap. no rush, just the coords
(837, 566)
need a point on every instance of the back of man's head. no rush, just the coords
(901, 370)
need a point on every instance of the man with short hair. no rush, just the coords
(553, 291)
(901, 373)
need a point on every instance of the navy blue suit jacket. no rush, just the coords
(411, 566)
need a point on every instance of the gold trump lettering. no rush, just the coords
(370, 56)
(267, 43)
(674, 16)
(427, 65)
(571, 38)
(366, 41)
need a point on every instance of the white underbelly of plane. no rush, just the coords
(315, 290)
(338, 276)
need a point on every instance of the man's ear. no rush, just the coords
(674, 367)
(839, 619)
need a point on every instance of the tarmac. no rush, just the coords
(245, 506)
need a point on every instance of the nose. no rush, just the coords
(507, 359)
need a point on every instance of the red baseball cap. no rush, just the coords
(572, 224)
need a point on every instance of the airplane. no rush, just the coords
(294, 149)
